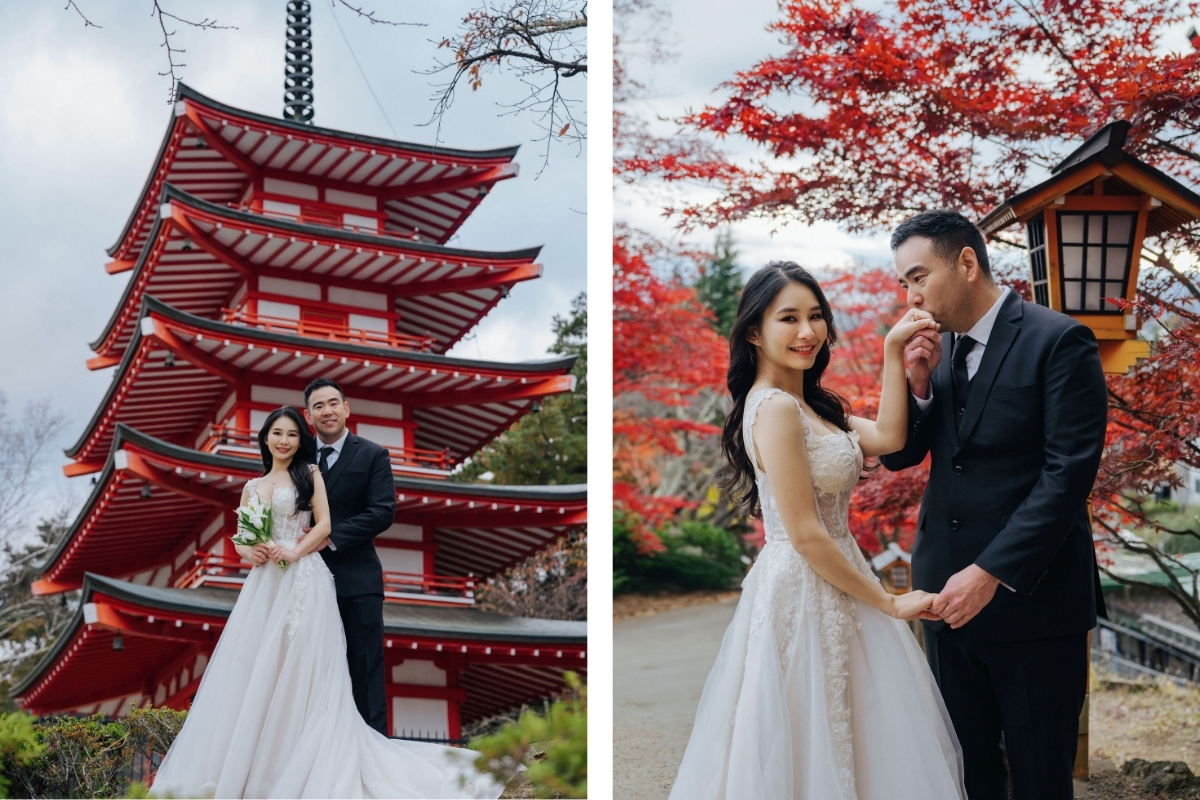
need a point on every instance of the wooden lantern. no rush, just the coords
(1085, 226)
(894, 568)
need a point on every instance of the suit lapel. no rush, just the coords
(348, 451)
(1004, 333)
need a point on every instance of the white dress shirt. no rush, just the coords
(981, 331)
(337, 446)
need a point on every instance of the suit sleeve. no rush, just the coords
(917, 443)
(1075, 400)
(380, 512)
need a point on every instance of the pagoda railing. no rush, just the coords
(322, 330)
(329, 219)
(404, 459)
(209, 569)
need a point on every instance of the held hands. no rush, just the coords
(964, 596)
(914, 605)
(277, 552)
(914, 322)
(922, 354)
(256, 555)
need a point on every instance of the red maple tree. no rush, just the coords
(873, 113)
(665, 355)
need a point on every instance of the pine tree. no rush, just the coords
(719, 286)
(547, 447)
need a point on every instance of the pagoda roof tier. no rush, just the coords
(178, 365)
(200, 253)
(478, 529)
(509, 660)
(216, 151)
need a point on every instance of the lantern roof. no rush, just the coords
(1103, 158)
(216, 151)
(157, 623)
(480, 529)
(893, 554)
(198, 252)
(457, 403)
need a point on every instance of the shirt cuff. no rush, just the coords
(1006, 586)
(924, 405)
(332, 546)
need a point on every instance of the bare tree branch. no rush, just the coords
(541, 41)
(87, 23)
(205, 25)
(369, 16)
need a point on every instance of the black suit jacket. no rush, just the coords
(362, 505)
(1008, 489)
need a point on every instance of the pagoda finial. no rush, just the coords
(297, 70)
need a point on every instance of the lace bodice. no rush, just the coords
(287, 524)
(835, 461)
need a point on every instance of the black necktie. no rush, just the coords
(323, 463)
(962, 382)
(962, 346)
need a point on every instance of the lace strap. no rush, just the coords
(751, 415)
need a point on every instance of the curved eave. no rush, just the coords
(561, 365)
(173, 193)
(545, 368)
(479, 158)
(149, 183)
(186, 92)
(408, 621)
(403, 247)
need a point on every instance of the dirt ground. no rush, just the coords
(1154, 722)
(630, 605)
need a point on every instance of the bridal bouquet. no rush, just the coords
(254, 524)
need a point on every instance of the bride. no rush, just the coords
(819, 691)
(274, 715)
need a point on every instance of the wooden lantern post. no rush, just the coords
(1085, 226)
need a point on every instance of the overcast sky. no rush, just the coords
(83, 111)
(707, 54)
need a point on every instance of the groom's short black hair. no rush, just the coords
(321, 383)
(949, 231)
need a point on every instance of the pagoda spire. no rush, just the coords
(298, 70)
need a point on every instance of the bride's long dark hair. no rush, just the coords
(757, 297)
(300, 470)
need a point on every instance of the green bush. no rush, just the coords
(91, 756)
(18, 745)
(697, 556)
(552, 747)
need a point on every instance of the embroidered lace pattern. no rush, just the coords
(287, 525)
(788, 585)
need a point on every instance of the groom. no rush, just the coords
(1014, 420)
(362, 504)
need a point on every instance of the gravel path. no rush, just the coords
(660, 663)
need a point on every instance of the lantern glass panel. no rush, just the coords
(1114, 263)
(1036, 237)
(1120, 228)
(1094, 251)
(1071, 295)
(1073, 262)
(1072, 228)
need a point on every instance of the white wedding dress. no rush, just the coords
(814, 695)
(274, 715)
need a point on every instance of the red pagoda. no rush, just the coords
(264, 253)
